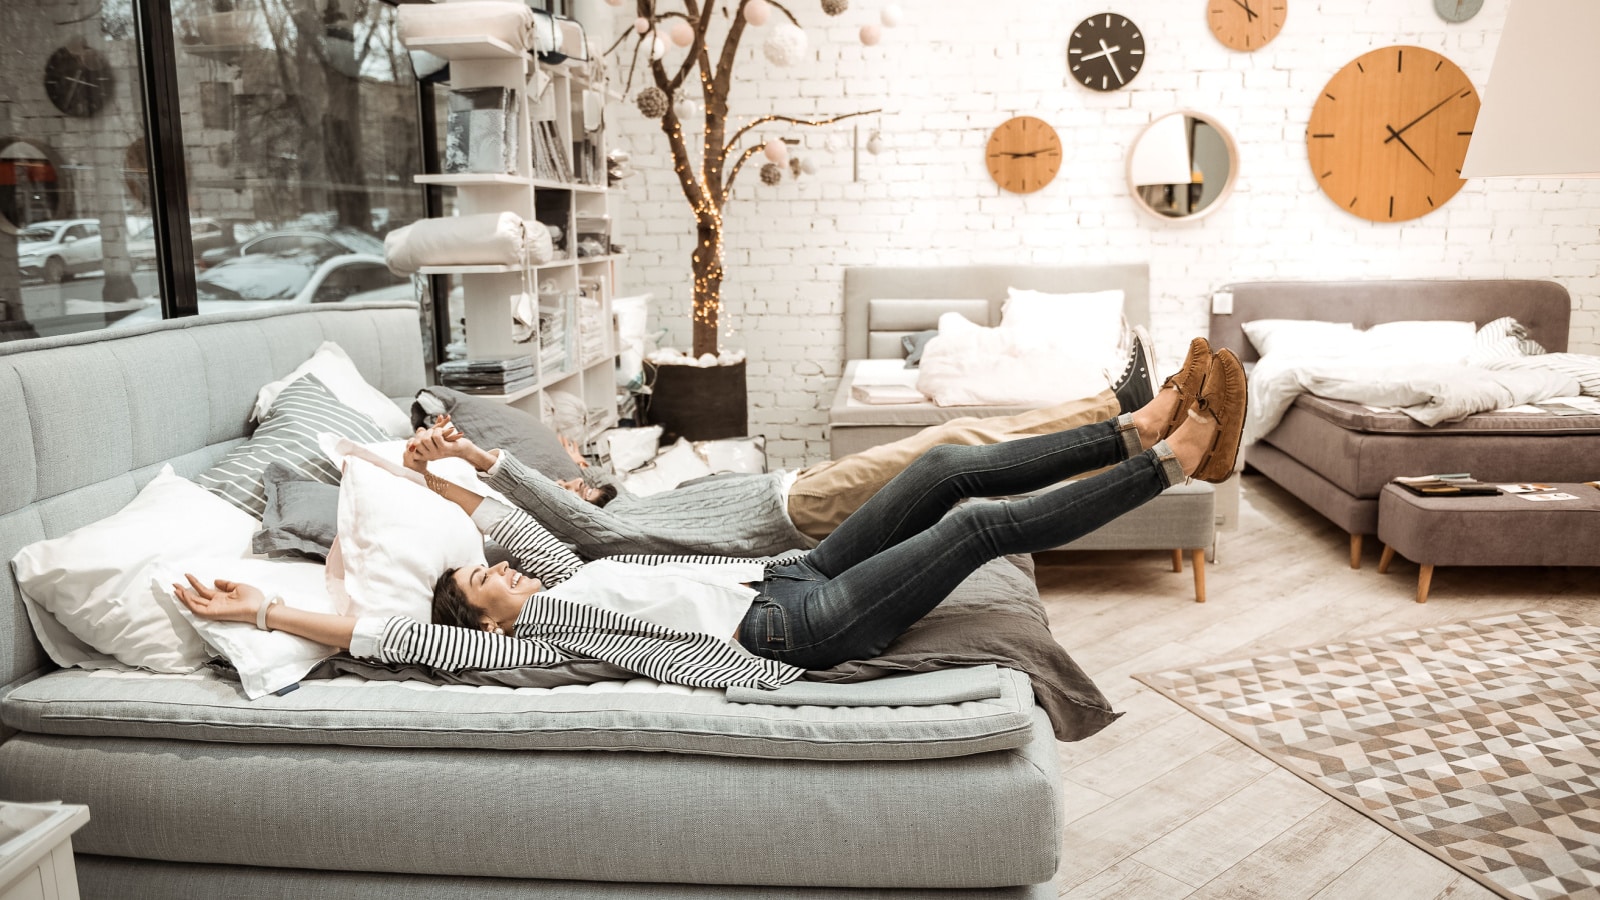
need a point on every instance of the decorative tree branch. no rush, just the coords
(707, 183)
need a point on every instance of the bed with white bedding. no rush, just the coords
(1335, 417)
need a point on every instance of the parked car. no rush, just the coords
(262, 280)
(207, 235)
(332, 240)
(59, 249)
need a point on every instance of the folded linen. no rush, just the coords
(925, 689)
(485, 239)
(504, 20)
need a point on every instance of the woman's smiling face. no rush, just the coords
(497, 593)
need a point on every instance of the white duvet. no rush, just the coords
(1432, 393)
(969, 365)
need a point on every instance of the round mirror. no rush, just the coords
(1182, 166)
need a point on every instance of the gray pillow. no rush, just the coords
(491, 424)
(301, 516)
(288, 434)
(914, 344)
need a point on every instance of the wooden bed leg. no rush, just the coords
(1355, 551)
(1199, 556)
(1383, 561)
(1424, 580)
(1177, 560)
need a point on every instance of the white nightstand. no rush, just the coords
(36, 850)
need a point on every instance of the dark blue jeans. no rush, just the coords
(900, 554)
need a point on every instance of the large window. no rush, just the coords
(298, 142)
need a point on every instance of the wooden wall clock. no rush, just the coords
(1389, 131)
(1024, 154)
(1246, 24)
(1105, 52)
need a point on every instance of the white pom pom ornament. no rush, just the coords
(658, 47)
(891, 16)
(785, 45)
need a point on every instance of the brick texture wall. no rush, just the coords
(956, 69)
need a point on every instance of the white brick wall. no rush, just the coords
(954, 71)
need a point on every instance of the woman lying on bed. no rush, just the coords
(890, 563)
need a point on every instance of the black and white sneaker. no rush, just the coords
(1136, 385)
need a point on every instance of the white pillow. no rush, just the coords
(674, 466)
(94, 582)
(266, 660)
(1436, 341)
(630, 448)
(1301, 337)
(396, 538)
(1086, 325)
(338, 374)
(743, 455)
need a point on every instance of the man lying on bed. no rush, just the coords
(758, 515)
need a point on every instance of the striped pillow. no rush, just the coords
(288, 435)
(1504, 338)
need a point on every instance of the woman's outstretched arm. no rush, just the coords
(230, 601)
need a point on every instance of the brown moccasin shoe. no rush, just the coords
(1188, 379)
(1223, 398)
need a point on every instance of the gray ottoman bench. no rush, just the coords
(1503, 530)
(1182, 518)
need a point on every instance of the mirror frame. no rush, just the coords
(1227, 186)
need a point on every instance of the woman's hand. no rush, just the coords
(574, 451)
(228, 601)
(442, 441)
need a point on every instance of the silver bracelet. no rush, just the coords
(261, 613)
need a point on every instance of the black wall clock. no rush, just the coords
(78, 80)
(1105, 52)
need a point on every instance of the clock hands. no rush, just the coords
(1395, 135)
(1031, 153)
(1431, 110)
(1107, 53)
(1250, 14)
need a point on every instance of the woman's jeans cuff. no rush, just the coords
(1167, 465)
(1131, 446)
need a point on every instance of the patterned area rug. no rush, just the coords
(1478, 742)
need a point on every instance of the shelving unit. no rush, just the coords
(582, 362)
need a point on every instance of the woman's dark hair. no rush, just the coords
(450, 604)
(608, 493)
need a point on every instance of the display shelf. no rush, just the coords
(551, 140)
(478, 46)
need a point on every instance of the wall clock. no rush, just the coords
(1457, 10)
(1247, 24)
(1389, 131)
(1105, 52)
(78, 80)
(1024, 154)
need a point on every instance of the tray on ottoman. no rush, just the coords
(1503, 530)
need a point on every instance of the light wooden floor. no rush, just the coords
(1162, 805)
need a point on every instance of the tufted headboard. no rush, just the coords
(89, 418)
(1543, 307)
(884, 303)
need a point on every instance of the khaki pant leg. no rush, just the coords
(825, 494)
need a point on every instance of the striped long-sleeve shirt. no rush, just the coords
(551, 630)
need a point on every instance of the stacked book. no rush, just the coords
(503, 375)
(1458, 484)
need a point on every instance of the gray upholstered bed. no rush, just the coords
(1337, 456)
(362, 789)
(882, 304)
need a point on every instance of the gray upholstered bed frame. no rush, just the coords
(361, 791)
(884, 303)
(1339, 471)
